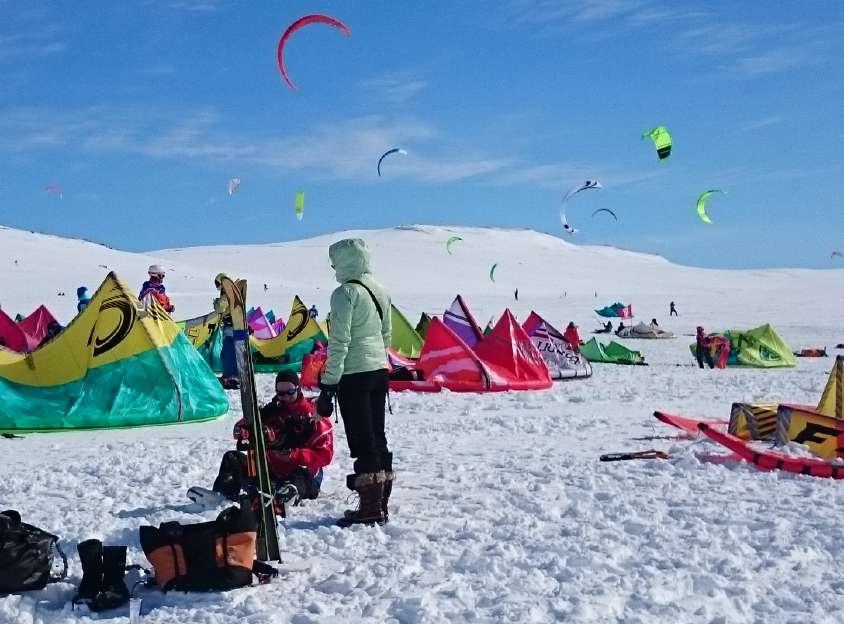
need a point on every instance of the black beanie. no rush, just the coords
(288, 376)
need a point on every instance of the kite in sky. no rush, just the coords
(55, 189)
(701, 204)
(299, 23)
(451, 242)
(394, 150)
(607, 210)
(584, 186)
(662, 141)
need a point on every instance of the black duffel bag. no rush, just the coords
(26, 555)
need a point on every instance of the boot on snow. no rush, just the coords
(103, 571)
(113, 592)
(370, 489)
(91, 556)
(389, 476)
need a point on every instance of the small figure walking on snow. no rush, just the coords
(672, 311)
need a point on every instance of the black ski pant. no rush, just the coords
(363, 398)
(232, 478)
(702, 354)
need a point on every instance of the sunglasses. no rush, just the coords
(288, 392)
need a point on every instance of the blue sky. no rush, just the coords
(142, 111)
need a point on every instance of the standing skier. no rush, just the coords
(571, 336)
(703, 348)
(356, 372)
(672, 311)
(154, 287)
(231, 376)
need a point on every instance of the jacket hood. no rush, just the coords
(350, 259)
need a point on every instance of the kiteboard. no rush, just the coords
(774, 460)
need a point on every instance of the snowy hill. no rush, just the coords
(501, 511)
(555, 277)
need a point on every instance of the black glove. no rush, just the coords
(325, 402)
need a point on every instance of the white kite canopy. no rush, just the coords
(561, 357)
(583, 186)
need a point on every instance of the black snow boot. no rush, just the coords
(370, 489)
(113, 591)
(389, 477)
(91, 556)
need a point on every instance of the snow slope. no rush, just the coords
(502, 512)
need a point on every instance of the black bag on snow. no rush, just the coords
(26, 555)
(208, 556)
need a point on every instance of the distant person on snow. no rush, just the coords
(231, 375)
(154, 287)
(703, 350)
(516, 294)
(571, 336)
(672, 311)
(299, 446)
(654, 324)
(620, 327)
(313, 312)
(265, 288)
(83, 298)
(608, 327)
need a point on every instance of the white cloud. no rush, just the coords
(764, 122)
(342, 150)
(198, 5)
(345, 149)
(561, 175)
(395, 88)
(23, 47)
(771, 61)
(749, 49)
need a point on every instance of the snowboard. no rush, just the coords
(268, 548)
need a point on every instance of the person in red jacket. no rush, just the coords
(572, 337)
(299, 445)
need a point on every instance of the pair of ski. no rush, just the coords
(267, 546)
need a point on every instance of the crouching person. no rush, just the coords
(299, 445)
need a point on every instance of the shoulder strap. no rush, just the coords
(374, 300)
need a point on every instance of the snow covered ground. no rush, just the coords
(501, 512)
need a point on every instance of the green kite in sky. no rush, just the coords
(662, 141)
(701, 204)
